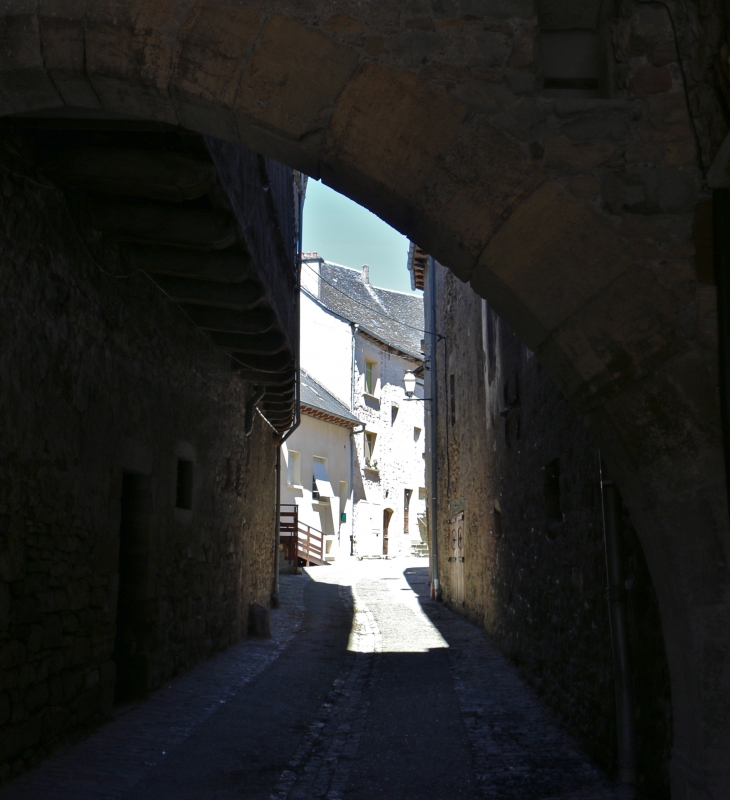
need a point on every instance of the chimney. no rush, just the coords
(365, 273)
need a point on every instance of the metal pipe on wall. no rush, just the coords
(434, 548)
(277, 530)
(626, 735)
(355, 329)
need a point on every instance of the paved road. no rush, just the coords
(366, 690)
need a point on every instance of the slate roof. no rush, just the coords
(380, 312)
(315, 396)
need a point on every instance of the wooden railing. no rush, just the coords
(299, 540)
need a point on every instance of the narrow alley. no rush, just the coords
(366, 689)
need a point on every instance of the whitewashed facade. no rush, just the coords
(316, 474)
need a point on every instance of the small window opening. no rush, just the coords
(370, 377)
(393, 414)
(406, 509)
(294, 468)
(370, 449)
(570, 62)
(321, 485)
(452, 399)
(184, 491)
(497, 523)
(416, 434)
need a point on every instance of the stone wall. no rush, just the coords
(517, 460)
(101, 376)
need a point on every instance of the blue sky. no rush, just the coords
(348, 234)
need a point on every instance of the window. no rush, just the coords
(294, 468)
(416, 434)
(370, 376)
(184, 488)
(497, 522)
(370, 449)
(570, 62)
(393, 414)
(406, 509)
(321, 486)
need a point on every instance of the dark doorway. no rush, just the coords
(130, 645)
(387, 514)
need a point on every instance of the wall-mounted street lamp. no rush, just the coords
(409, 384)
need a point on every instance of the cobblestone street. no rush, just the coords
(367, 689)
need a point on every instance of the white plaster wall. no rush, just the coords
(315, 437)
(400, 457)
(326, 348)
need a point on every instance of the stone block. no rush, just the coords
(36, 696)
(470, 195)
(78, 595)
(129, 55)
(382, 114)
(35, 638)
(24, 82)
(600, 124)
(550, 257)
(293, 78)
(664, 53)
(650, 80)
(562, 153)
(524, 45)
(81, 650)
(215, 42)
(585, 186)
(666, 191)
(12, 654)
(62, 27)
(625, 346)
(12, 555)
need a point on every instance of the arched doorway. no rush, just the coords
(387, 514)
(499, 190)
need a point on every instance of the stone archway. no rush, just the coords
(467, 162)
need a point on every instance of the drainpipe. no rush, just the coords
(434, 549)
(721, 251)
(297, 408)
(619, 638)
(355, 329)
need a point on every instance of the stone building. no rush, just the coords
(360, 341)
(148, 275)
(576, 177)
(520, 531)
